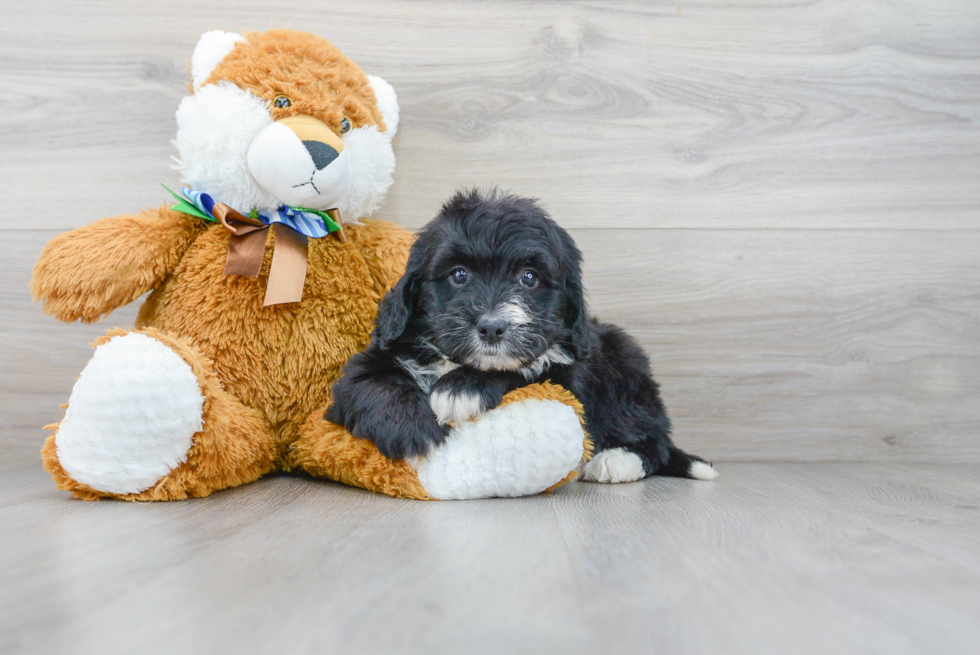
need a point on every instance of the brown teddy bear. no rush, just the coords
(264, 280)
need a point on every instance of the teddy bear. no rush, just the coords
(264, 279)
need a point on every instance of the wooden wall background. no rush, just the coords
(780, 199)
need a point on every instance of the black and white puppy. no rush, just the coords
(492, 300)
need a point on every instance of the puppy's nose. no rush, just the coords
(321, 153)
(491, 329)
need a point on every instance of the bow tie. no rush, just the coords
(246, 248)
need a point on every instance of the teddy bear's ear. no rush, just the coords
(209, 52)
(387, 103)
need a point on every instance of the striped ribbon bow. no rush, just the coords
(246, 247)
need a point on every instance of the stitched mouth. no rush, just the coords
(297, 186)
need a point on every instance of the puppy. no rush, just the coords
(492, 300)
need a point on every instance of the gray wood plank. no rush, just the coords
(769, 345)
(759, 114)
(803, 344)
(767, 564)
(930, 508)
(770, 558)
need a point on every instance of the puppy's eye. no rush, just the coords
(281, 102)
(529, 279)
(345, 126)
(458, 277)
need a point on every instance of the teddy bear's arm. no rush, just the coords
(84, 274)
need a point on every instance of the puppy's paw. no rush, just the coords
(464, 393)
(414, 439)
(455, 407)
(612, 466)
(400, 430)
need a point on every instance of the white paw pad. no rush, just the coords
(613, 465)
(454, 408)
(702, 471)
(131, 417)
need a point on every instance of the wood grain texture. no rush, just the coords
(770, 558)
(769, 345)
(758, 114)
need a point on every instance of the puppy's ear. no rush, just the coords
(578, 319)
(577, 312)
(399, 303)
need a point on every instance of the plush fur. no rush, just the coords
(491, 301)
(211, 49)
(262, 372)
(215, 127)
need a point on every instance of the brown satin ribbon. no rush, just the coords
(287, 274)
(246, 251)
(340, 234)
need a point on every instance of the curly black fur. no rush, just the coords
(516, 314)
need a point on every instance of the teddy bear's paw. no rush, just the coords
(612, 466)
(518, 449)
(131, 417)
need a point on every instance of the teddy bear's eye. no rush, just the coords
(281, 102)
(345, 125)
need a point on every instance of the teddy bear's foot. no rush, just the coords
(146, 420)
(520, 448)
(131, 417)
(531, 443)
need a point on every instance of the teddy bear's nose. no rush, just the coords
(321, 153)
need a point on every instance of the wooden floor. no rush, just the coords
(770, 558)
